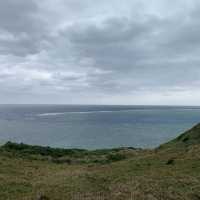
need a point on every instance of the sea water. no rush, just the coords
(93, 126)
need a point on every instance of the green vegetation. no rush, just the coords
(190, 137)
(170, 172)
(70, 156)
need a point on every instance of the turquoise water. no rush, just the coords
(94, 127)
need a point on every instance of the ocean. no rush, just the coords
(94, 127)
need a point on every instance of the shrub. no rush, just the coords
(185, 139)
(170, 162)
(115, 157)
(44, 151)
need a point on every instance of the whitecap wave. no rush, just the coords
(50, 114)
(80, 112)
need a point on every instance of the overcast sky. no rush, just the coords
(100, 52)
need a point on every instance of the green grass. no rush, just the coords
(171, 171)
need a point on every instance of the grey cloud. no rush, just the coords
(99, 50)
(16, 16)
(20, 19)
(142, 48)
(110, 31)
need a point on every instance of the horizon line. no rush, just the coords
(86, 104)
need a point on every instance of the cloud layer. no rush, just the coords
(73, 51)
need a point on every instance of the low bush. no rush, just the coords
(113, 157)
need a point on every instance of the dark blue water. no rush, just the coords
(94, 127)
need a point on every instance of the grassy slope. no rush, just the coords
(171, 171)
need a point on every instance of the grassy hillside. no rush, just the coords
(171, 171)
(190, 137)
